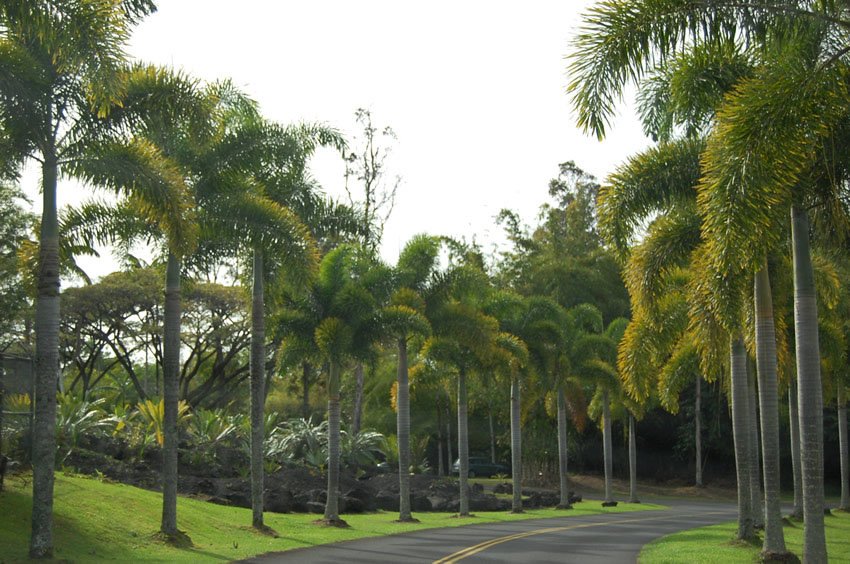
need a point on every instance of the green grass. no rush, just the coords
(716, 544)
(105, 521)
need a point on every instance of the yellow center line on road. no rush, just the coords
(472, 550)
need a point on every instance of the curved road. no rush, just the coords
(598, 539)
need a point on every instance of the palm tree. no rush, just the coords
(766, 146)
(63, 67)
(341, 311)
(711, 70)
(463, 339)
(404, 318)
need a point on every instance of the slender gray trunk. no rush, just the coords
(794, 426)
(332, 503)
(403, 404)
(450, 460)
(462, 444)
(606, 445)
(257, 369)
(562, 450)
(698, 430)
(842, 444)
(633, 498)
(774, 538)
(440, 440)
(809, 390)
(516, 446)
(170, 381)
(492, 433)
(46, 366)
(305, 385)
(358, 399)
(755, 473)
(741, 435)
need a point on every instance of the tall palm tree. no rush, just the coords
(341, 311)
(766, 145)
(463, 339)
(711, 71)
(63, 67)
(404, 318)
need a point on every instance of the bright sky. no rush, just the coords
(475, 91)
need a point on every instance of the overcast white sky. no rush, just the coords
(475, 91)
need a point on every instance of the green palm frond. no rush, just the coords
(687, 90)
(333, 338)
(138, 169)
(677, 373)
(656, 180)
(666, 248)
(417, 261)
(766, 136)
(401, 321)
(620, 42)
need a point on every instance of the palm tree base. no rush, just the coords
(609, 504)
(768, 556)
(338, 523)
(407, 520)
(564, 506)
(462, 516)
(635, 500)
(517, 511)
(178, 539)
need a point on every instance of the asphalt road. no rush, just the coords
(599, 539)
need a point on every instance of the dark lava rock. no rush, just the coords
(365, 497)
(279, 501)
(315, 507)
(609, 504)
(504, 488)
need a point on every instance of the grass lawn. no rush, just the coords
(95, 520)
(716, 544)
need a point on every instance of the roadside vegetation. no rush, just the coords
(685, 318)
(88, 529)
(707, 545)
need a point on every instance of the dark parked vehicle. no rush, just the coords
(481, 467)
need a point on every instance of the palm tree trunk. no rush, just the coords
(257, 369)
(357, 417)
(774, 538)
(170, 383)
(516, 446)
(492, 432)
(462, 444)
(809, 391)
(741, 435)
(755, 474)
(403, 404)
(440, 440)
(332, 503)
(842, 444)
(633, 498)
(305, 385)
(450, 460)
(46, 366)
(606, 445)
(562, 450)
(796, 463)
(698, 430)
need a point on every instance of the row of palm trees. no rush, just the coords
(199, 173)
(201, 176)
(749, 102)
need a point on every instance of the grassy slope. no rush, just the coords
(715, 544)
(105, 521)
